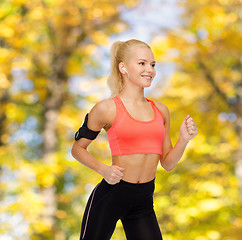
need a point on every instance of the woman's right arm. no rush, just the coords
(100, 116)
(80, 153)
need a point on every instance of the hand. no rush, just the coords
(113, 174)
(188, 129)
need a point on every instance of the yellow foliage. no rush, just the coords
(14, 113)
(224, 1)
(65, 119)
(100, 38)
(4, 83)
(46, 173)
(182, 218)
(37, 13)
(214, 189)
(61, 214)
(131, 4)
(201, 238)
(45, 178)
(4, 53)
(208, 205)
(32, 199)
(120, 27)
(192, 211)
(214, 235)
(41, 226)
(160, 47)
(6, 32)
(5, 138)
(17, 2)
(22, 62)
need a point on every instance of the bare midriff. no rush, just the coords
(139, 168)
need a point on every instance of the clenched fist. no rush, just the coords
(188, 129)
(113, 174)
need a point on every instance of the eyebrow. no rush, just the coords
(145, 60)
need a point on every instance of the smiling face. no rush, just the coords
(140, 66)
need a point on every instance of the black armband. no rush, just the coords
(85, 132)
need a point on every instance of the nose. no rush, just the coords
(149, 68)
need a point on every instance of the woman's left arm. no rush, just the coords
(188, 130)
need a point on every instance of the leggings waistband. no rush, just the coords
(143, 188)
(137, 184)
(140, 187)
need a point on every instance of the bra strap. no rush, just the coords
(157, 109)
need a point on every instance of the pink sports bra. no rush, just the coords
(130, 136)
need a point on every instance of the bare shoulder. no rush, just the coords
(103, 107)
(163, 109)
(102, 114)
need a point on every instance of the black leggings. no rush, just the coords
(131, 203)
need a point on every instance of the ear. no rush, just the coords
(120, 66)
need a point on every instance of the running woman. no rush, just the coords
(138, 131)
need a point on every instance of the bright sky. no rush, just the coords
(150, 19)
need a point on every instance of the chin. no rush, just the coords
(147, 85)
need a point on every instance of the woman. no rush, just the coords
(138, 134)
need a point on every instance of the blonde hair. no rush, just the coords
(120, 53)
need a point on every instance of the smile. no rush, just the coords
(148, 77)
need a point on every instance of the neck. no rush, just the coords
(132, 95)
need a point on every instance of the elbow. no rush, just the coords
(73, 151)
(77, 150)
(167, 167)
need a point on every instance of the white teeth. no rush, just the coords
(147, 77)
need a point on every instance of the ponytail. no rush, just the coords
(115, 80)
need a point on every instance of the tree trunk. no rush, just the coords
(238, 169)
(3, 101)
(52, 108)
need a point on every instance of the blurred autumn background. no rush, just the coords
(54, 60)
